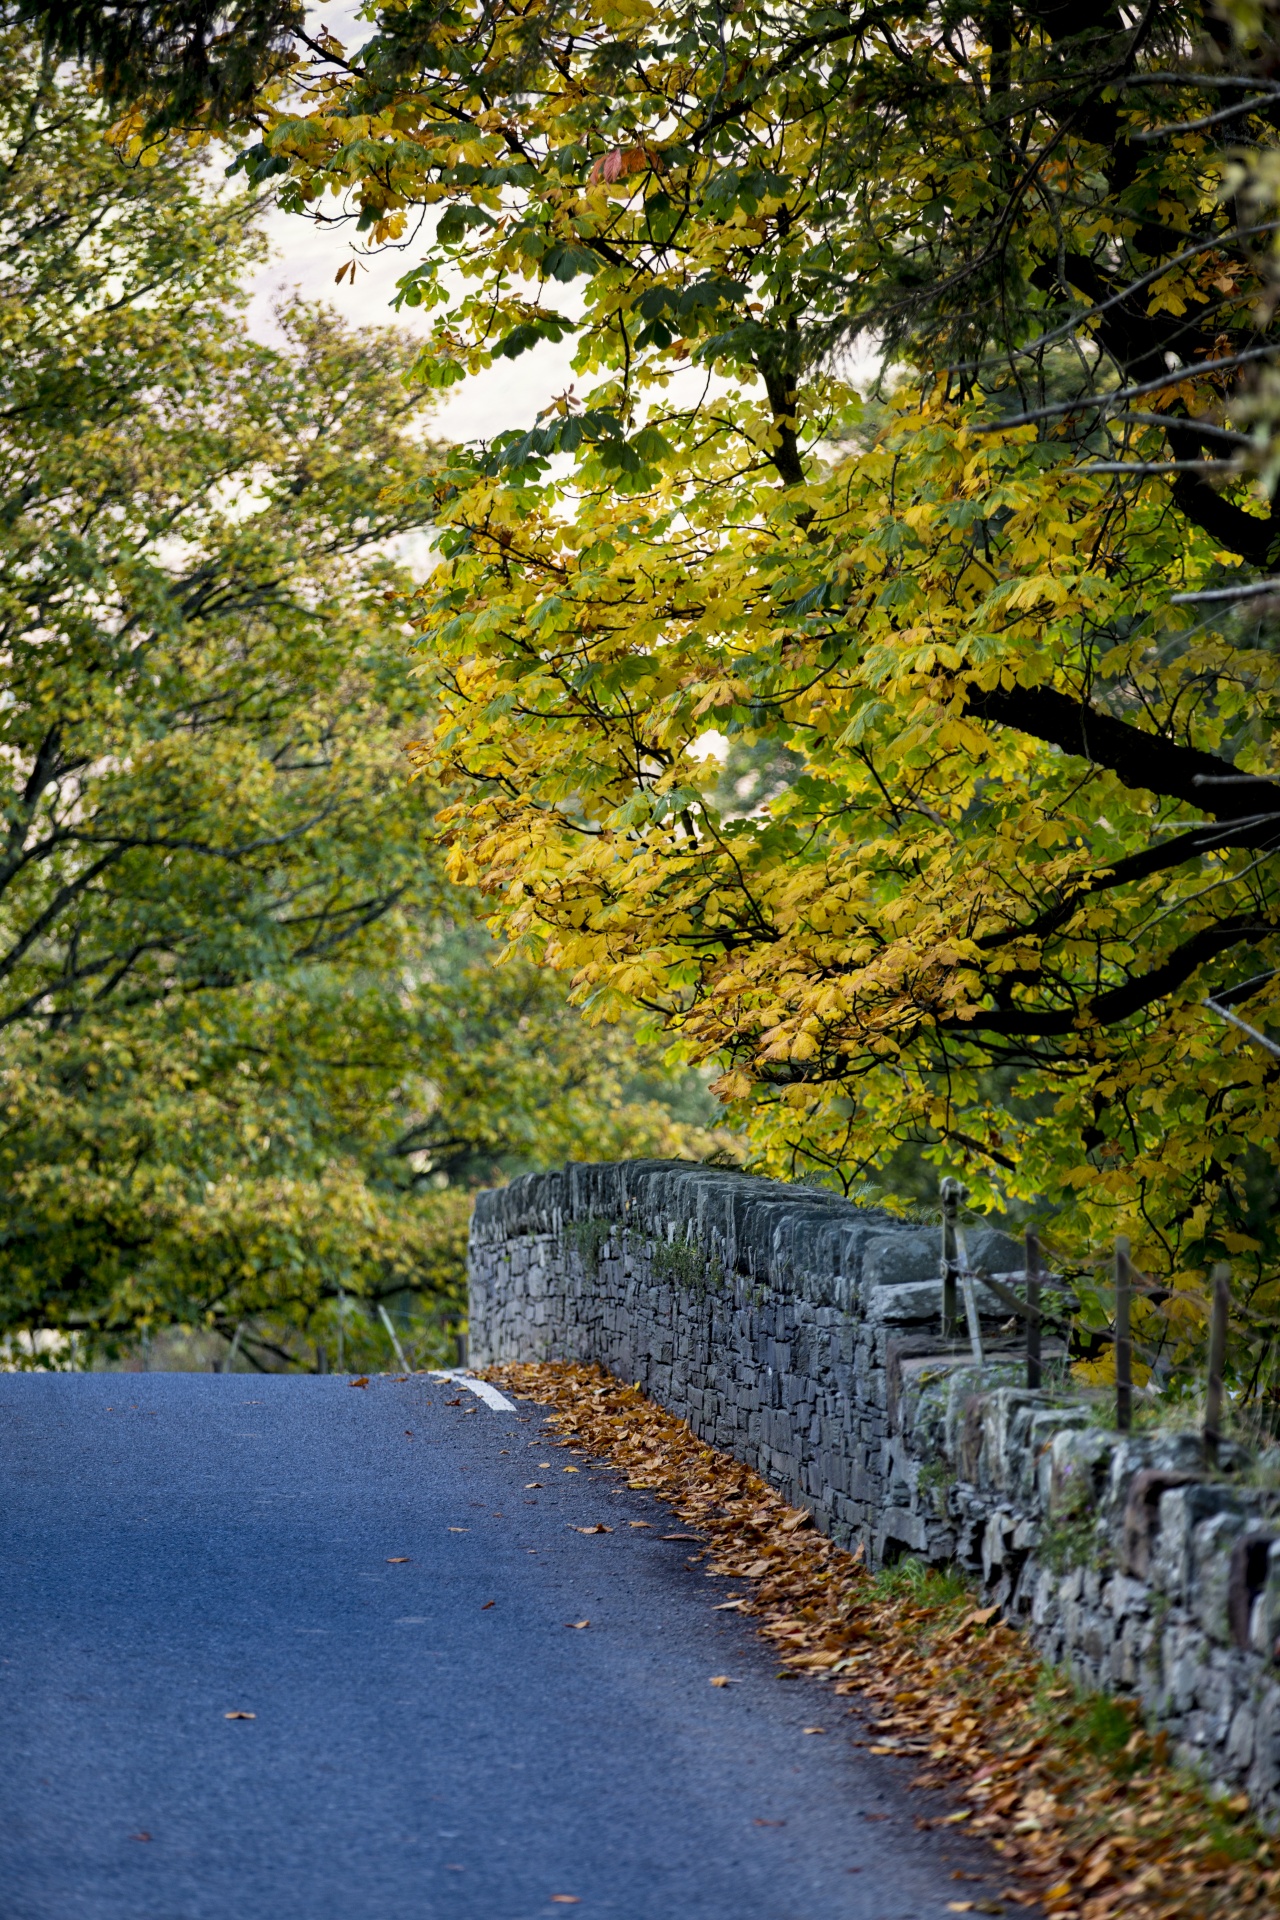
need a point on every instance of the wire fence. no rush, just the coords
(1044, 1300)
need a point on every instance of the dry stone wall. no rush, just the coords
(800, 1333)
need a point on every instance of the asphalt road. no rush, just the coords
(369, 1574)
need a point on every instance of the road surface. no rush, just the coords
(289, 1649)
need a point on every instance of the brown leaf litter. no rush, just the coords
(1084, 1806)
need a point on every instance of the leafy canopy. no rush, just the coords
(1028, 819)
(253, 1051)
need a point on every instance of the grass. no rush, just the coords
(925, 1586)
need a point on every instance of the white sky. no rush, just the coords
(509, 394)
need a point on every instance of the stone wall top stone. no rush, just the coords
(836, 1252)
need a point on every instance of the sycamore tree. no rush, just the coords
(254, 1051)
(1026, 818)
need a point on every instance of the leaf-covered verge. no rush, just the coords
(1080, 1802)
(255, 1052)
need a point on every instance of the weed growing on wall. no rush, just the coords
(1071, 1542)
(686, 1265)
(587, 1238)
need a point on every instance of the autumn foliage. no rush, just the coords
(1017, 814)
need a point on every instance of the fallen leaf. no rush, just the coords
(459, 1529)
(568, 1469)
(139, 1836)
(960, 1906)
(398, 1560)
(724, 1680)
(978, 1618)
(729, 1606)
(757, 1570)
(815, 1729)
(682, 1536)
(577, 1625)
(639, 1523)
(599, 1527)
(363, 1381)
(488, 1603)
(529, 1485)
(239, 1716)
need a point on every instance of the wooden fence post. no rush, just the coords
(1221, 1311)
(1124, 1340)
(1033, 1308)
(951, 1192)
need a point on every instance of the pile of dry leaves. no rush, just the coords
(1079, 1800)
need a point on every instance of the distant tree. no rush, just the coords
(253, 1051)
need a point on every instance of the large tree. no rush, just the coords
(253, 1053)
(1029, 818)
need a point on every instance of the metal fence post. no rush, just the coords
(395, 1338)
(1124, 1339)
(1034, 1370)
(1221, 1311)
(229, 1364)
(951, 1196)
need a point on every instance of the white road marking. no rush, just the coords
(481, 1388)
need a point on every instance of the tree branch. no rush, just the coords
(1141, 760)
